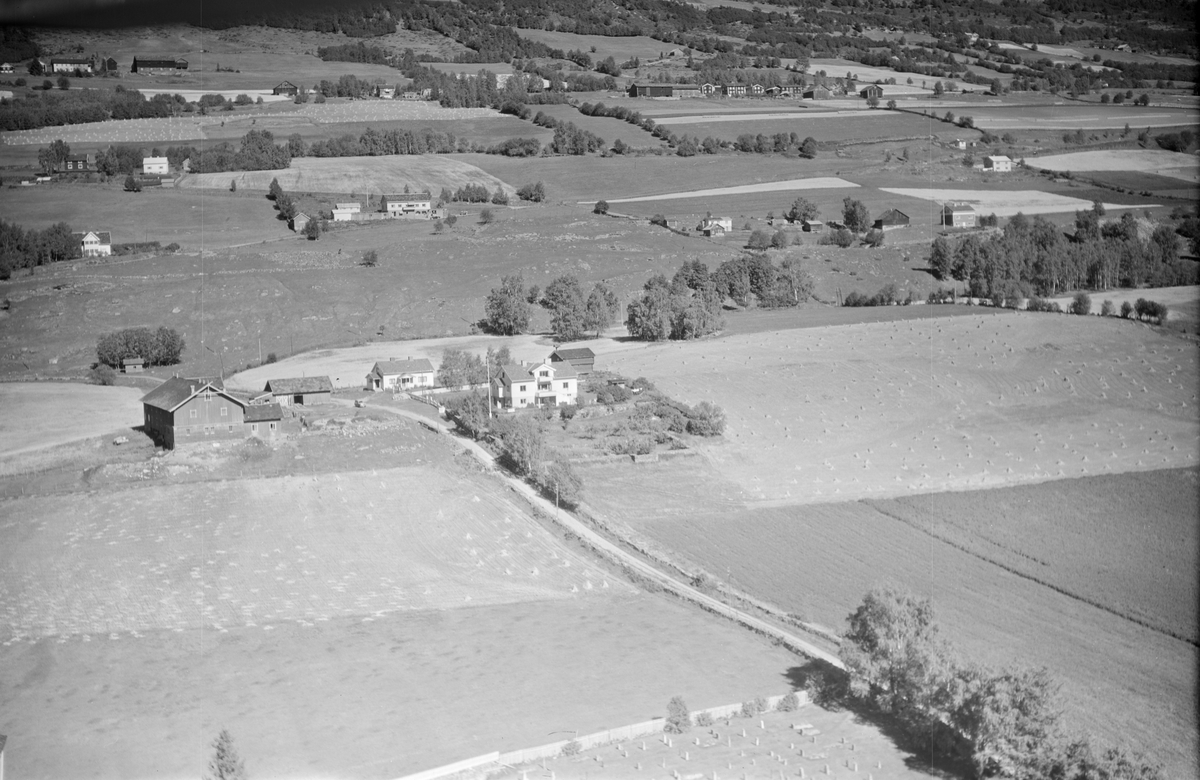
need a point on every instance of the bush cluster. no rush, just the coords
(888, 295)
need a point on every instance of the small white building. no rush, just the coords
(715, 226)
(155, 166)
(997, 163)
(344, 212)
(396, 375)
(6, 67)
(95, 243)
(416, 204)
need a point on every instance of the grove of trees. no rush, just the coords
(1002, 722)
(507, 308)
(162, 347)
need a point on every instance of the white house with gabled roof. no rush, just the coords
(546, 383)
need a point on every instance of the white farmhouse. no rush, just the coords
(997, 163)
(155, 166)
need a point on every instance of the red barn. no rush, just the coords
(181, 410)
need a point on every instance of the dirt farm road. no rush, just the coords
(614, 552)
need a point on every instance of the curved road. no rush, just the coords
(614, 552)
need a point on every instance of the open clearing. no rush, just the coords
(1122, 682)
(815, 183)
(1161, 162)
(1073, 117)
(1007, 203)
(64, 413)
(361, 175)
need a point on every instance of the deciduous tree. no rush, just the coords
(507, 311)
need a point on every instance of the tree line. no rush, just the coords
(508, 308)
(1034, 256)
(31, 111)
(1002, 722)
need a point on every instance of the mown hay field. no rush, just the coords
(1156, 161)
(1055, 119)
(1007, 203)
(620, 48)
(40, 415)
(1122, 682)
(375, 698)
(361, 175)
(896, 408)
(840, 127)
(265, 551)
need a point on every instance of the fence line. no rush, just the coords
(587, 741)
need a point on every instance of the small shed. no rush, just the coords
(891, 220)
(133, 365)
(300, 221)
(817, 93)
(812, 225)
(286, 88)
(300, 391)
(582, 359)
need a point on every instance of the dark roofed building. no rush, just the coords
(582, 359)
(891, 219)
(286, 88)
(651, 90)
(183, 409)
(264, 421)
(300, 391)
(151, 66)
(871, 91)
(72, 64)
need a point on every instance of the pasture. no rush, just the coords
(1122, 682)
(64, 413)
(1090, 117)
(360, 175)
(195, 220)
(1181, 302)
(787, 185)
(621, 48)
(825, 126)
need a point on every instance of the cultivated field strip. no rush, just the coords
(260, 552)
(921, 406)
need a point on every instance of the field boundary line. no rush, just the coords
(1036, 580)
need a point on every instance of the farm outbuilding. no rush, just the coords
(715, 226)
(70, 65)
(300, 391)
(582, 359)
(817, 93)
(871, 91)
(998, 163)
(182, 410)
(264, 421)
(686, 92)
(812, 225)
(959, 215)
(651, 90)
(300, 221)
(6, 68)
(395, 375)
(891, 220)
(344, 212)
(286, 88)
(133, 365)
(76, 163)
(156, 66)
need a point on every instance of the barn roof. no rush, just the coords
(960, 208)
(299, 385)
(574, 353)
(176, 391)
(104, 236)
(893, 216)
(263, 413)
(408, 196)
(393, 367)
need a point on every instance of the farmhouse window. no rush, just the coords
(231, 429)
(566, 385)
(224, 410)
(543, 373)
(187, 429)
(254, 427)
(192, 413)
(544, 386)
(272, 426)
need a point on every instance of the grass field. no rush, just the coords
(621, 48)
(361, 175)
(64, 412)
(824, 126)
(1007, 203)
(1073, 117)
(788, 185)
(193, 219)
(1122, 682)
(1154, 161)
